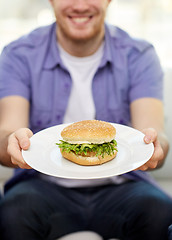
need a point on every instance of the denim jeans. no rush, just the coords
(170, 232)
(37, 209)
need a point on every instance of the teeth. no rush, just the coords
(80, 20)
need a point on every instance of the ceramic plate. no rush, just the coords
(44, 155)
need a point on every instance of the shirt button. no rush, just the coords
(39, 122)
(58, 117)
(66, 88)
(66, 85)
(121, 122)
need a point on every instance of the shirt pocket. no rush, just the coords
(40, 119)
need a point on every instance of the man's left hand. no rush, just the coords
(155, 161)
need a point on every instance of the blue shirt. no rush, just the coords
(31, 67)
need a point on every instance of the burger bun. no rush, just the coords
(87, 161)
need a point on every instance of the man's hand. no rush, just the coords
(16, 142)
(157, 158)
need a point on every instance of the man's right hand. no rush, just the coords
(16, 142)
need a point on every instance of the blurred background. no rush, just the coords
(148, 19)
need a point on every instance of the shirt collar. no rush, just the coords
(53, 57)
(107, 57)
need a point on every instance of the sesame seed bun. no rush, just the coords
(89, 131)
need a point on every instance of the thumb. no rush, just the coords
(150, 135)
(23, 136)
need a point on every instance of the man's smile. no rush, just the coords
(80, 20)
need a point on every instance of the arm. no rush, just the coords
(14, 134)
(147, 116)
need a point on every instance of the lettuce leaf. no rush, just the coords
(80, 149)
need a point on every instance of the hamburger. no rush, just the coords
(89, 142)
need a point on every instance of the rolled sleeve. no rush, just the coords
(14, 75)
(146, 75)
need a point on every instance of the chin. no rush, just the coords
(81, 35)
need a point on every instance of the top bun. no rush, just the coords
(89, 131)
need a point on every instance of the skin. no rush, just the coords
(147, 116)
(80, 24)
(80, 32)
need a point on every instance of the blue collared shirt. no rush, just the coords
(31, 67)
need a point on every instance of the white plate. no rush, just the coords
(44, 155)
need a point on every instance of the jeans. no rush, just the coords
(170, 232)
(37, 209)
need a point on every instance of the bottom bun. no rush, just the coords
(87, 161)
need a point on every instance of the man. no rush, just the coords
(80, 68)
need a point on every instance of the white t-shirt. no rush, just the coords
(82, 70)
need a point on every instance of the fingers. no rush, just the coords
(142, 168)
(17, 141)
(148, 166)
(150, 135)
(23, 136)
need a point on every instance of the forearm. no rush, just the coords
(147, 116)
(14, 116)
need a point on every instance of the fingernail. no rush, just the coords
(24, 144)
(148, 139)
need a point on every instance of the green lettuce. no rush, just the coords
(80, 149)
